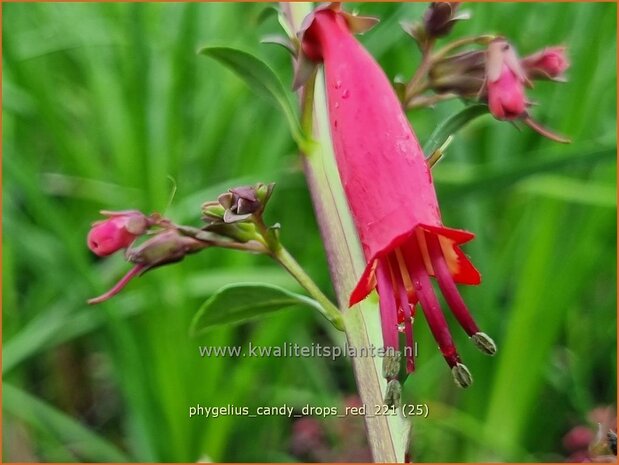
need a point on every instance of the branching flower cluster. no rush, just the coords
(485, 68)
(385, 174)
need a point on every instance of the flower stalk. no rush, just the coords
(494, 75)
(329, 311)
(473, 40)
(281, 255)
(233, 221)
(416, 85)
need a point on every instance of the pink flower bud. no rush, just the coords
(549, 63)
(167, 246)
(117, 232)
(505, 82)
(578, 438)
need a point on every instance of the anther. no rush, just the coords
(462, 375)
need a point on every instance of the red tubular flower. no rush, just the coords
(505, 82)
(117, 232)
(549, 63)
(391, 196)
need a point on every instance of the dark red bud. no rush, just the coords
(441, 17)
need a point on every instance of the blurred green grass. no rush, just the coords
(102, 103)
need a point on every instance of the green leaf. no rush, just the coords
(567, 189)
(87, 445)
(452, 125)
(487, 178)
(261, 79)
(238, 303)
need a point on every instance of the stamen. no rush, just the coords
(462, 375)
(484, 343)
(391, 365)
(406, 279)
(448, 286)
(393, 394)
(429, 304)
(403, 301)
(388, 308)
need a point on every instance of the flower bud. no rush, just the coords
(241, 201)
(263, 192)
(239, 232)
(440, 18)
(463, 74)
(578, 438)
(168, 246)
(212, 212)
(238, 204)
(117, 232)
(505, 81)
(549, 63)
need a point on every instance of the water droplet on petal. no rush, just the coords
(345, 93)
(338, 84)
(402, 147)
(337, 105)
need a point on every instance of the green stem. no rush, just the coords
(270, 239)
(213, 240)
(429, 100)
(283, 257)
(388, 435)
(416, 84)
(330, 311)
(307, 107)
(477, 40)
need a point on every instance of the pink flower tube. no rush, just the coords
(391, 196)
(505, 81)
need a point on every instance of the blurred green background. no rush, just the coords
(102, 103)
